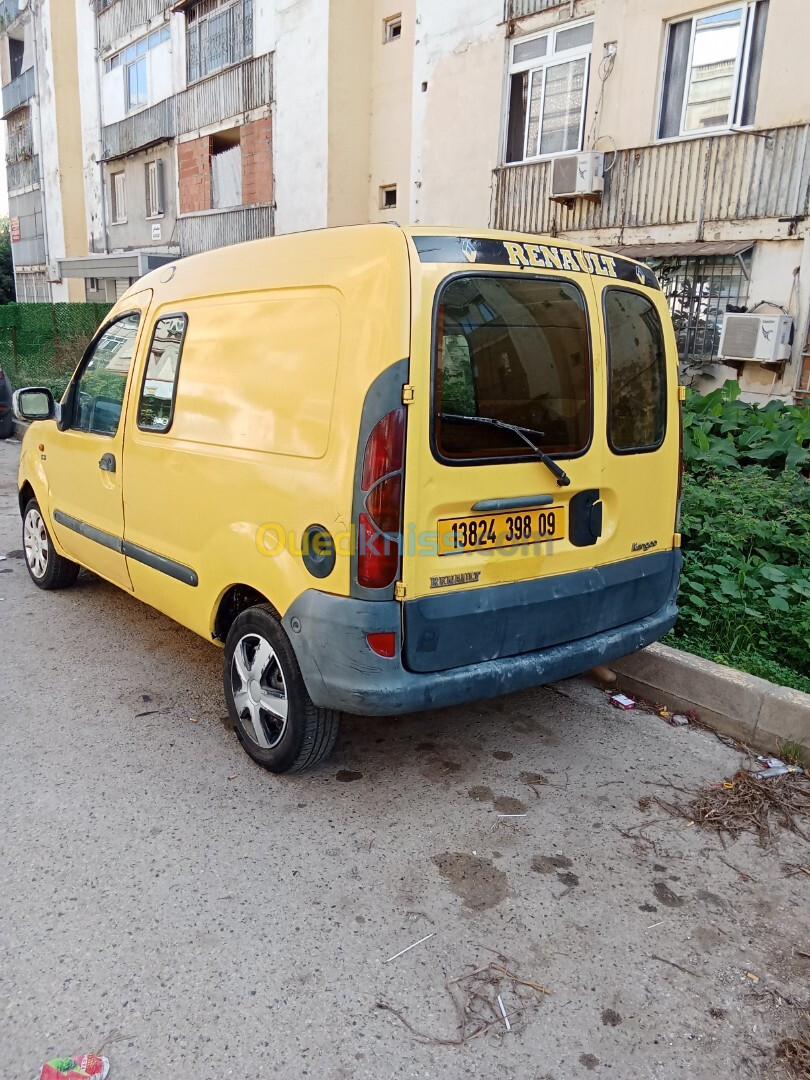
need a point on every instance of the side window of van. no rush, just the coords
(156, 407)
(637, 374)
(103, 379)
(511, 351)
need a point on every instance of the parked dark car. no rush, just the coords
(6, 415)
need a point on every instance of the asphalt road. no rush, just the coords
(160, 890)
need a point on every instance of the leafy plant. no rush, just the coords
(745, 593)
(722, 432)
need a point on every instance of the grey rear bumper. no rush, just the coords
(341, 671)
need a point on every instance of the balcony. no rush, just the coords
(9, 10)
(220, 228)
(117, 18)
(18, 91)
(519, 9)
(143, 129)
(717, 178)
(237, 90)
(23, 173)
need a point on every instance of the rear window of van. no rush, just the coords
(510, 351)
(637, 373)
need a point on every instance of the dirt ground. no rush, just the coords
(161, 891)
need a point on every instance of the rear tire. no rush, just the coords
(7, 426)
(48, 569)
(273, 715)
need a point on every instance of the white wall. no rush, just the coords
(301, 118)
(460, 49)
(113, 103)
(91, 124)
(44, 118)
(264, 26)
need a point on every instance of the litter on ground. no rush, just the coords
(622, 701)
(403, 951)
(747, 803)
(78, 1067)
(478, 998)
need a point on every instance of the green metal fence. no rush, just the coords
(40, 344)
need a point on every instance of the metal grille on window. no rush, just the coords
(699, 291)
(32, 288)
(219, 33)
(19, 145)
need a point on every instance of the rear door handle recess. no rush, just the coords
(526, 502)
(107, 463)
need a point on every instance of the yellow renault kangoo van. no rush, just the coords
(386, 469)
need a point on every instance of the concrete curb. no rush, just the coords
(755, 711)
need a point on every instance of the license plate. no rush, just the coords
(458, 535)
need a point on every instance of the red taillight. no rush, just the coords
(384, 645)
(377, 557)
(384, 449)
(381, 523)
(383, 504)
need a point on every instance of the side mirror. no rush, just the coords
(34, 403)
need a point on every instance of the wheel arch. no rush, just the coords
(231, 603)
(25, 495)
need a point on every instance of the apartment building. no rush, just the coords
(207, 122)
(701, 111)
(43, 145)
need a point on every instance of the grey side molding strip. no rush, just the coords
(160, 563)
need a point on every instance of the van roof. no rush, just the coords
(241, 266)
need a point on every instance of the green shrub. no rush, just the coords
(745, 592)
(722, 432)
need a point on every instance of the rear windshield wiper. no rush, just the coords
(563, 480)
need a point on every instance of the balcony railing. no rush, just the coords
(219, 228)
(18, 91)
(716, 178)
(237, 90)
(118, 18)
(143, 129)
(23, 174)
(9, 10)
(518, 9)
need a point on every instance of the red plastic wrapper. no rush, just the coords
(79, 1067)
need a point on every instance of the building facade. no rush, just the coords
(207, 122)
(702, 114)
(38, 69)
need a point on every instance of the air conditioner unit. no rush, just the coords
(766, 339)
(578, 176)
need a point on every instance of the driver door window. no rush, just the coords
(102, 383)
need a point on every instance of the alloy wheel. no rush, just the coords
(36, 543)
(259, 691)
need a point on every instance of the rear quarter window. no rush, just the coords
(637, 374)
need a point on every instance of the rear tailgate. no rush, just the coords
(500, 558)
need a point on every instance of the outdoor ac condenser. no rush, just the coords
(577, 176)
(765, 339)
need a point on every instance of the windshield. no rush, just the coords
(514, 350)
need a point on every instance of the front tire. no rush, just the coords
(47, 568)
(273, 715)
(7, 426)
